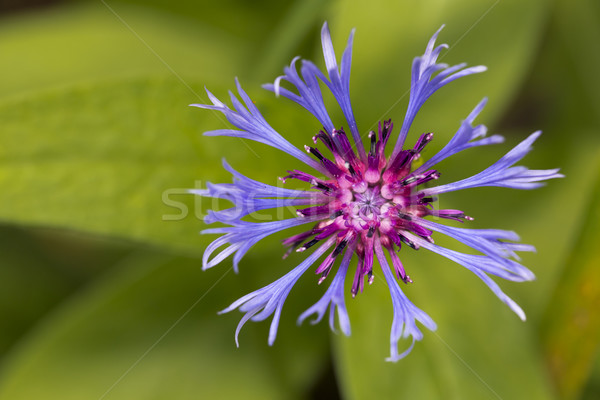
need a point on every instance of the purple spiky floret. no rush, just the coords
(359, 202)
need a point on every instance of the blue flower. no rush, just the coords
(362, 203)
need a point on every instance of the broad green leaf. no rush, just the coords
(40, 268)
(87, 42)
(578, 31)
(571, 330)
(150, 330)
(31, 282)
(117, 159)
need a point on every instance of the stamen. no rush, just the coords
(343, 145)
(307, 245)
(336, 214)
(314, 152)
(404, 216)
(339, 248)
(321, 186)
(325, 139)
(410, 180)
(358, 283)
(373, 138)
(399, 165)
(350, 169)
(329, 165)
(325, 267)
(409, 242)
(428, 199)
(455, 215)
(384, 131)
(371, 232)
(423, 141)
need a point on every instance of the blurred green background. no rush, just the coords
(101, 293)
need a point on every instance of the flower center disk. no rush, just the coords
(363, 196)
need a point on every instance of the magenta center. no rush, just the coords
(362, 198)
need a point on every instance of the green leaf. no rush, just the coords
(150, 330)
(114, 159)
(571, 330)
(40, 268)
(88, 42)
(578, 31)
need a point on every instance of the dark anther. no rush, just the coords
(387, 125)
(410, 180)
(325, 138)
(310, 244)
(371, 232)
(336, 214)
(422, 142)
(408, 242)
(373, 138)
(403, 216)
(429, 199)
(350, 169)
(322, 186)
(314, 152)
(339, 248)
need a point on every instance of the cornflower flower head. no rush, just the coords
(362, 202)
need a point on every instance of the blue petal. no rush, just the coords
(309, 97)
(242, 236)
(462, 139)
(423, 85)
(488, 242)
(261, 303)
(253, 126)
(309, 91)
(502, 173)
(250, 196)
(333, 297)
(405, 312)
(339, 83)
(479, 265)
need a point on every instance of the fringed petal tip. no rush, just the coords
(276, 85)
(477, 69)
(433, 39)
(414, 333)
(199, 192)
(333, 299)
(269, 300)
(394, 356)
